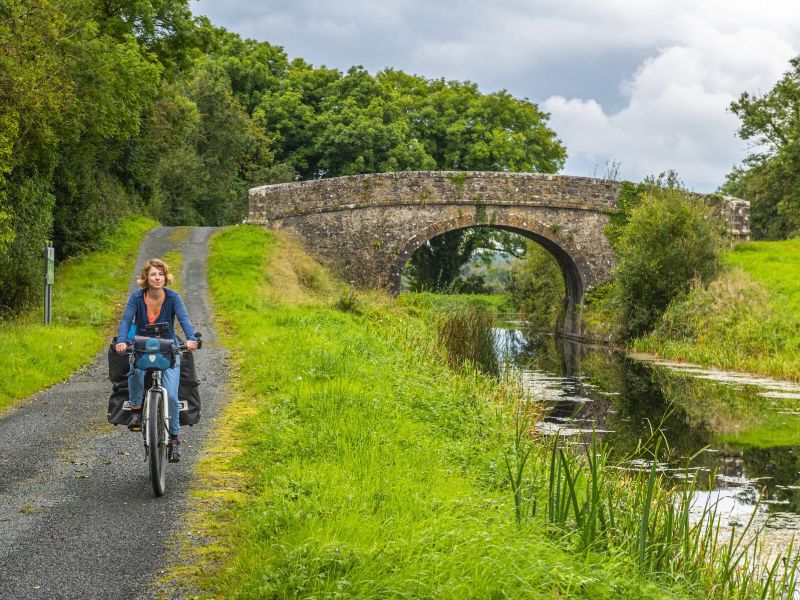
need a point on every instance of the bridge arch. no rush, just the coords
(567, 259)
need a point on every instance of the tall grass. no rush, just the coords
(644, 515)
(88, 294)
(467, 335)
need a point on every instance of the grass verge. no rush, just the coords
(88, 294)
(746, 320)
(352, 462)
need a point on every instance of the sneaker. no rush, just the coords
(173, 451)
(135, 420)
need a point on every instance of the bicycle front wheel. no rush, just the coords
(157, 442)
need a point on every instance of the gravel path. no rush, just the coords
(77, 516)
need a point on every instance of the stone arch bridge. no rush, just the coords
(367, 226)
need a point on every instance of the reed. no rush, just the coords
(646, 516)
(467, 335)
(515, 464)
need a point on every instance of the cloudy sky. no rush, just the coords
(644, 83)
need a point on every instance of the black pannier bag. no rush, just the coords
(189, 391)
(119, 408)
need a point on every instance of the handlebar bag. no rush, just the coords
(152, 353)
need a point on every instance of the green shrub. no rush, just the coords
(21, 261)
(600, 314)
(671, 240)
(348, 302)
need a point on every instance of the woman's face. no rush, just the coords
(155, 278)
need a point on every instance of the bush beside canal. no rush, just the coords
(353, 462)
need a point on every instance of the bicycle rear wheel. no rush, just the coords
(157, 442)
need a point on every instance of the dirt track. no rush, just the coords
(77, 517)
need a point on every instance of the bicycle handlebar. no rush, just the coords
(179, 348)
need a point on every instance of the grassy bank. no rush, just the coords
(88, 294)
(352, 462)
(426, 302)
(747, 320)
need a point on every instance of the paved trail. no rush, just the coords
(77, 517)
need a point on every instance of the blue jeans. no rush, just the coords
(170, 379)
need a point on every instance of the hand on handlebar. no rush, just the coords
(191, 345)
(121, 348)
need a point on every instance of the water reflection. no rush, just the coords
(742, 430)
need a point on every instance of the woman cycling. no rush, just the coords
(154, 303)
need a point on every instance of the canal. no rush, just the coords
(741, 433)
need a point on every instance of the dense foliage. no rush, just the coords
(770, 176)
(137, 106)
(669, 241)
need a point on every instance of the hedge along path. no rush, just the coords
(75, 501)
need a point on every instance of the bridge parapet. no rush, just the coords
(426, 188)
(736, 213)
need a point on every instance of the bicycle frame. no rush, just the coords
(155, 428)
(155, 387)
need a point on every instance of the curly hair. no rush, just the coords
(158, 264)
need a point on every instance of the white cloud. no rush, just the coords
(645, 82)
(676, 113)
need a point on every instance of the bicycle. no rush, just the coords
(154, 354)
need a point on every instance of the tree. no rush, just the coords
(41, 106)
(671, 240)
(770, 178)
(205, 152)
(253, 68)
(73, 89)
(437, 264)
(115, 81)
(164, 28)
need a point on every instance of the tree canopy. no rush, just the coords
(770, 176)
(136, 106)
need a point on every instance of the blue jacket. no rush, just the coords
(136, 314)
